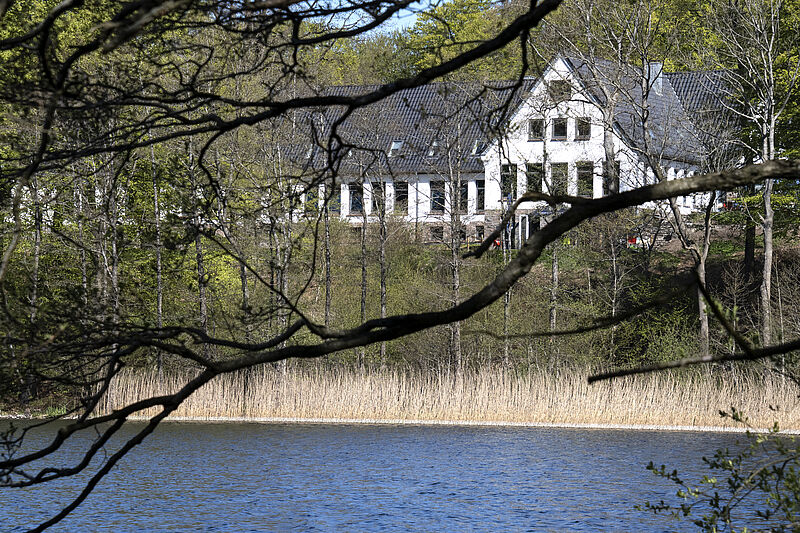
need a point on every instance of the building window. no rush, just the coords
(378, 195)
(463, 195)
(585, 179)
(534, 173)
(508, 182)
(608, 186)
(437, 233)
(558, 179)
(560, 91)
(437, 197)
(401, 197)
(356, 199)
(434, 149)
(312, 201)
(583, 129)
(480, 197)
(536, 129)
(479, 233)
(559, 129)
(335, 203)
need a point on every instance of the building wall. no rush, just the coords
(518, 148)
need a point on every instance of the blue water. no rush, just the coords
(297, 477)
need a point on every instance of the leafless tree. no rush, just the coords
(756, 50)
(140, 76)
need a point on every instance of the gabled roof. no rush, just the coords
(706, 97)
(671, 132)
(449, 124)
(438, 124)
(700, 90)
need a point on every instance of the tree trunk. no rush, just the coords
(615, 279)
(201, 277)
(766, 279)
(703, 334)
(327, 245)
(362, 351)
(382, 259)
(158, 246)
(610, 173)
(455, 265)
(81, 217)
(553, 303)
(505, 242)
(749, 248)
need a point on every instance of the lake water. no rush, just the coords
(307, 477)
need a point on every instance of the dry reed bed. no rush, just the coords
(494, 395)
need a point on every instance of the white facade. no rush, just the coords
(547, 136)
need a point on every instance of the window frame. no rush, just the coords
(437, 197)
(531, 170)
(581, 169)
(355, 190)
(395, 147)
(378, 201)
(583, 121)
(397, 198)
(480, 196)
(564, 188)
(559, 121)
(463, 197)
(509, 174)
(311, 203)
(533, 135)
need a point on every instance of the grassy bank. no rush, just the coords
(481, 396)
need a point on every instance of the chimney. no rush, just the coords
(654, 71)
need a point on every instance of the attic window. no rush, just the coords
(434, 149)
(395, 148)
(560, 91)
(476, 147)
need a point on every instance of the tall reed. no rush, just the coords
(486, 395)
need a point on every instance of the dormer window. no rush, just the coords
(476, 147)
(395, 148)
(536, 129)
(434, 149)
(560, 91)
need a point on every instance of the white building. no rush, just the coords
(470, 150)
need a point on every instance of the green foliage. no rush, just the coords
(657, 335)
(749, 207)
(724, 249)
(455, 26)
(755, 487)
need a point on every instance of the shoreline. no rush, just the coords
(448, 423)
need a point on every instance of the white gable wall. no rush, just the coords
(517, 149)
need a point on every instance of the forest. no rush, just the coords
(155, 226)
